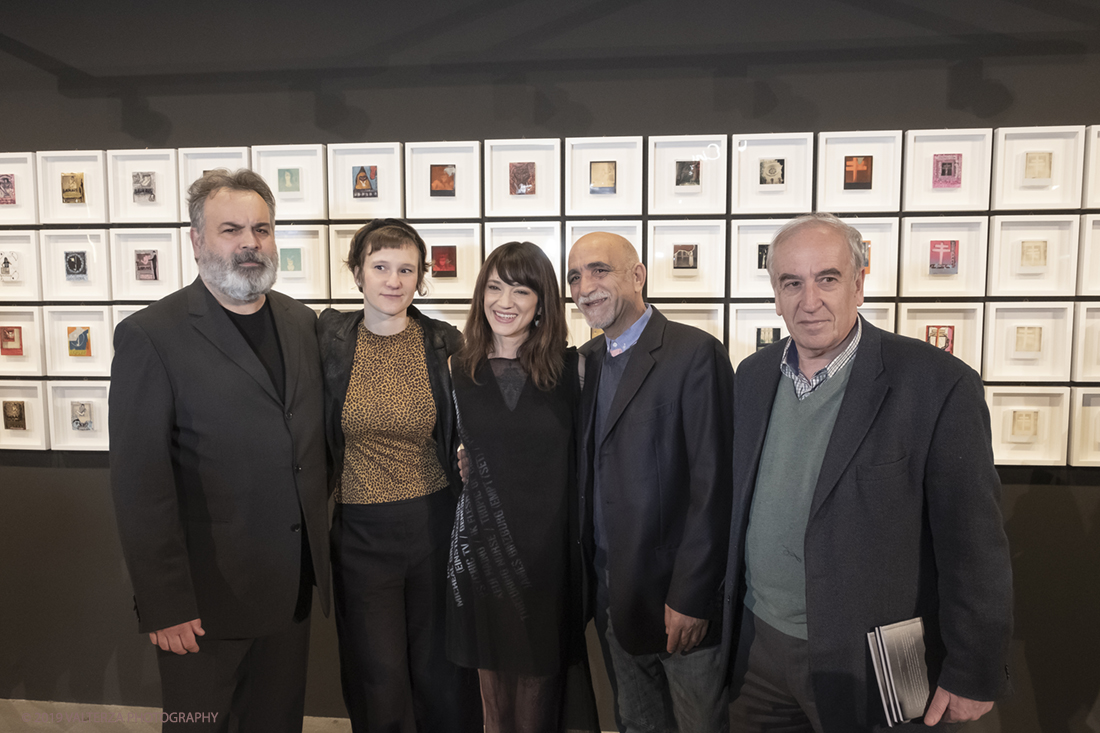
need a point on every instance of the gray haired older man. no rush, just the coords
(864, 494)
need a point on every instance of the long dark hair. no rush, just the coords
(542, 354)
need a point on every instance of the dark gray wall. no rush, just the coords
(130, 74)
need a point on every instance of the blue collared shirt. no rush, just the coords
(803, 386)
(630, 336)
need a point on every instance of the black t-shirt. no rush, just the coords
(259, 332)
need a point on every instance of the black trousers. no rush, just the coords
(246, 685)
(389, 564)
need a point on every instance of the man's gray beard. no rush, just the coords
(241, 284)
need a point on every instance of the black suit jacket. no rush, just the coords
(665, 477)
(905, 521)
(212, 473)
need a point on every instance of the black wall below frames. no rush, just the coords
(125, 74)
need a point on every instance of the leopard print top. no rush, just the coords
(388, 417)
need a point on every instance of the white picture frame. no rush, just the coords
(63, 436)
(420, 158)
(1047, 447)
(1084, 432)
(707, 317)
(63, 278)
(745, 319)
(917, 236)
(580, 333)
(881, 233)
(749, 196)
(1086, 342)
(585, 198)
(880, 314)
(341, 281)
(703, 190)
(1003, 361)
(126, 282)
(24, 266)
(546, 235)
(500, 198)
(32, 362)
(1033, 255)
(57, 319)
(835, 195)
(966, 319)
(674, 270)
(305, 246)
(927, 188)
(1091, 197)
(388, 186)
(296, 198)
(24, 189)
(52, 164)
(126, 202)
(192, 162)
(749, 239)
(1014, 184)
(36, 434)
(629, 229)
(452, 313)
(121, 312)
(1088, 265)
(465, 237)
(189, 267)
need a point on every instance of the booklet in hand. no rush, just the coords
(897, 651)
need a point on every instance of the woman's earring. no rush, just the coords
(537, 314)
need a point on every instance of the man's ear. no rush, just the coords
(639, 277)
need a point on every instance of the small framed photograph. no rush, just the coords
(195, 162)
(546, 235)
(948, 170)
(603, 176)
(944, 256)
(443, 180)
(1030, 425)
(341, 281)
(454, 252)
(1092, 167)
(145, 263)
(79, 413)
(952, 327)
(25, 424)
(523, 177)
(142, 186)
(303, 261)
(297, 177)
(686, 258)
(880, 267)
(707, 317)
(21, 351)
(1029, 342)
(687, 174)
(18, 189)
(753, 327)
(772, 173)
(749, 263)
(78, 340)
(859, 171)
(1038, 167)
(879, 314)
(1033, 255)
(365, 181)
(1084, 434)
(75, 264)
(19, 266)
(72, 187)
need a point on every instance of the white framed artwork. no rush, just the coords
(120, 313)
(443, 180)
(1038, 167)
(948, 170)
(454, 259)
(72, 187)
(452, 313)
(749, 240)
(943, 256)
(26, 424)
(1030, 425)
(772, 173)
(687, 174)
(21, 350)
(303, 261)
(194, 162)
(707, 317)
(956, 328)
(753, 327)
(1027, 341)
(523, 177)
(1092, 167)
(859, 171)
(603, 176)
(546, 235)
(189, 268)
(1088, 266)
(18, 189)
(341, 280)
(879, 314)
(687, 258)
(880, 234)
(296, 175)
(1033, 255)
(78, 340)
(19, 265)
(1086, 342)
(78, 415)
(365, 181)
(145, 263)
(143, 186)
(1084, 433)
(75, 264)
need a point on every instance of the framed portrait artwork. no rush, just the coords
(454, 259)
(303, 261)
(78, 415)
(25, 424)
(1030, 425)
(603, 176)
(859, 171)
(142, 186)
(1038, 167)
(18, 189)
(75, 264)
(1033, 255)
(443, 180)
(193, 163)
(956, 328)
(687, 174)
(72, 186)
(145, 263)
(19, 265)
(686, 258)
(772, 173)
(365, 181)
(296, 175)
(1027, 341)
(21, 349)
(523, 177)
(78, 340)
(948, 170)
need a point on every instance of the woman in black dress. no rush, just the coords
(513, 613)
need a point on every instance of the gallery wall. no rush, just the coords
(126, 75)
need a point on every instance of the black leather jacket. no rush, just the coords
(337, 335)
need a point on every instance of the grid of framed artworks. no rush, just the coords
(982, 242)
